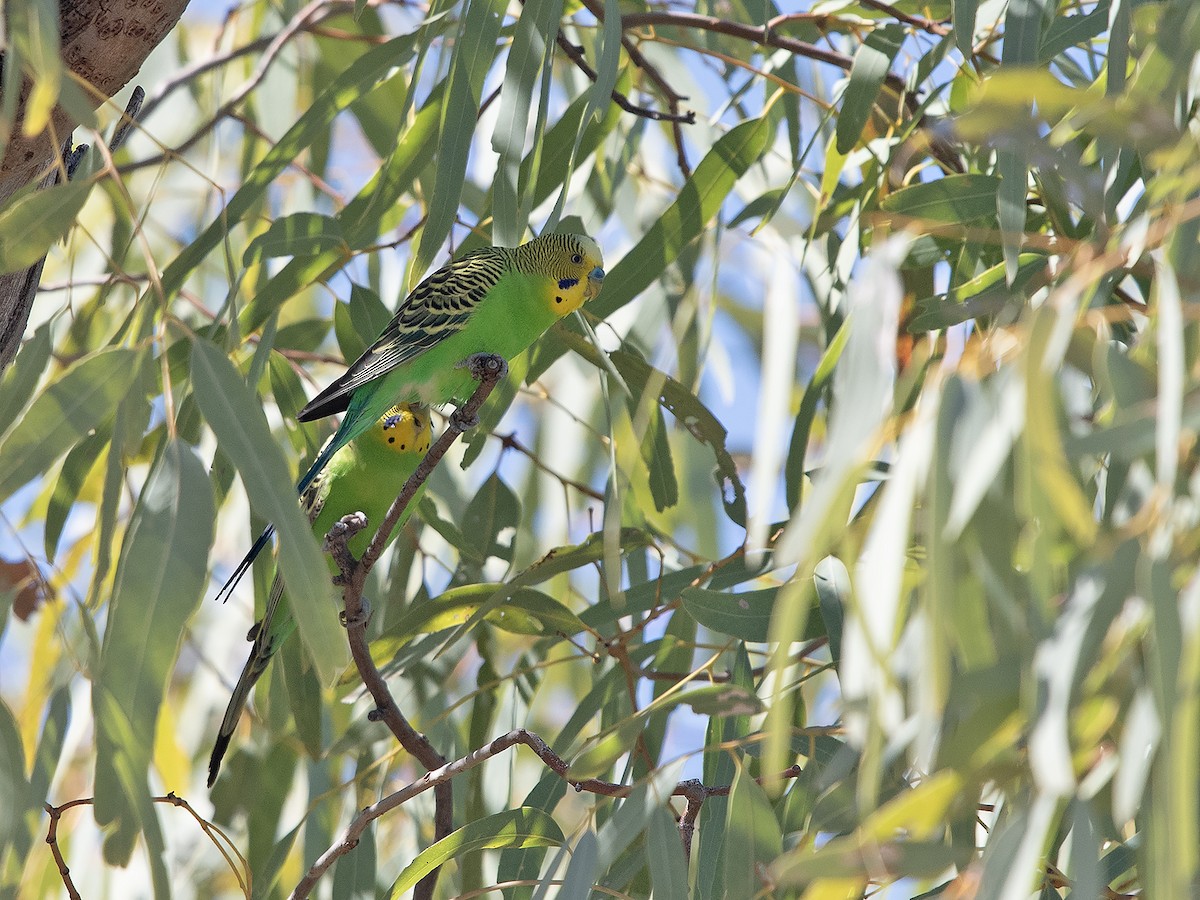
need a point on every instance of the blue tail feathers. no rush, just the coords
(244, 566)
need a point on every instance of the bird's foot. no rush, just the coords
(344, 529)
(485, 365)
(363, 617)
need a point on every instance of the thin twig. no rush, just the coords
(509, 442)
(765, 36)
(220, 839)
(575, 54)
(916, 21)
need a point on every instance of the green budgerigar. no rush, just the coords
(492, 300)
(365, 476)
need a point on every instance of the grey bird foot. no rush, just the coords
(345, 527)
(485, 365)
(363, 617)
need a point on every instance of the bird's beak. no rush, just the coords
(595, 282)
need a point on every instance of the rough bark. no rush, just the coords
(104, 42)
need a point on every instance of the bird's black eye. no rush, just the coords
(577, 259)
(391, 440)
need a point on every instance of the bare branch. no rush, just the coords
(694, 791)
(488, 369)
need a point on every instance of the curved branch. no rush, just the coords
(488, 369)
(692, 790)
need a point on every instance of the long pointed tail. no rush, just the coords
(267, 635)
(244, 566)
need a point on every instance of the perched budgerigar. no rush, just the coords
(491, 300)
(364, 476)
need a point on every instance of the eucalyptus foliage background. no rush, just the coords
(891, 543)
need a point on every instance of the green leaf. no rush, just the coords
(160, 579)
(514, 828)
(359, 321)
(687, 218)
(50, 744)
(871, 63)
(753, 839)
(1024, 22)
(687, 409)
(360, 220)
(300, 234)
(746, 615)
(523, 611)
(124, 780)
(21, 379)
(235, 415)
(664, 857)
(35, 219)
(80, 399)
(529, 56)
(601, 753)
(555, 562)
(720, 701)
(656, 454)
(987, 294)
(584, 867)
(80, 461)
(953, 199)
(964, 25)
(832, 583)
(14, 788)
(287, 389)
(34, 27)
(793, 469)
(492, 512)
(1066, 32)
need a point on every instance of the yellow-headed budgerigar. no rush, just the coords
(363, 476)
(492, 300)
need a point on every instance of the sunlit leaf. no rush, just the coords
(300, 234)
(160, 579)
(522, 827)
(871, 63)
(78, 400)
(235, 415)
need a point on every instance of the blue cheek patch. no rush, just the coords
(567, 283)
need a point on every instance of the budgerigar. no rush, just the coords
(492, 300)
(363, 476)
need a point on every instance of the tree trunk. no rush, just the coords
(104, 42)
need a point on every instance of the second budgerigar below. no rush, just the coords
(365, 476)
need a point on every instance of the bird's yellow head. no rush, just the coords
(573, 263)
(405, 429)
